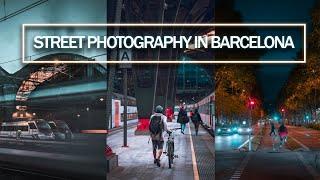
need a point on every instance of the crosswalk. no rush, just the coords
(237, 174)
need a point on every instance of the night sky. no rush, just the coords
(272, 77)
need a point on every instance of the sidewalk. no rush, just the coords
(136, 161)
(204, 152)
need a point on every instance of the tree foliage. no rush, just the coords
(301, 94)
(235, 87)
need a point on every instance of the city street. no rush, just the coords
(306, 138)
(65, 160)
(298, 159)
(136, 161)
(229, 143)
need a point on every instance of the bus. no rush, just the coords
(37, 129)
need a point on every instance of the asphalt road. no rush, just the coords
(229, 142)
(267, 164)
(82, 160)
(309, 138)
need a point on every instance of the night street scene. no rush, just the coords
(267, 116)
(52, 116)
(186, 110)
(182, 93)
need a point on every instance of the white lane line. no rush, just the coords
(237, 174)
(194, 160)
(308, 167)
(302, 145)
(246, 142)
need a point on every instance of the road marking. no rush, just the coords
(309, 168)
(194, 160)
(237, 174)
(302, 145)
(246, 142)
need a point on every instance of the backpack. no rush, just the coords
(156, 125)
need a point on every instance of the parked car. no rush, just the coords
(61, 130)
(37, 129)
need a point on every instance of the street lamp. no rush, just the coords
(251, 104)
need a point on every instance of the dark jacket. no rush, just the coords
(183, 117)
(282, 128)
(196, 118)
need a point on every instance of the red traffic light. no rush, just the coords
(282, 110)
(252, 103)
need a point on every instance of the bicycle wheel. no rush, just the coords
(170, 154)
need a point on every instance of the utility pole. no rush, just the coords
(250, 143)
(112, 69)
(125, 67)
(315, 98)
(251, 104)
(125, 105)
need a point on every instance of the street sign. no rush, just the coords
(125, 55)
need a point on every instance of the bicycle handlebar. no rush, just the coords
(174, 129)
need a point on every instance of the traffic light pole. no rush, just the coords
(250, 125)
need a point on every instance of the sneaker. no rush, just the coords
(154, 161)
(158, 162)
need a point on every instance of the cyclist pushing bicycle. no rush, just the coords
(157, 127)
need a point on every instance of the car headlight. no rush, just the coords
(249, 129)
(240, 129)
(229, 130)
(235, 129)
(219, 130)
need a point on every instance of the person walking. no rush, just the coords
(272, 130)
(157, 127)
(283, 133)
(183, 119)
(196, 119)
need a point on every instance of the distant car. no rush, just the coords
(61, 130)
(234, 128)
(224, 130)
(245, 130)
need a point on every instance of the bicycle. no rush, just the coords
(283, 138)
(170, 147)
